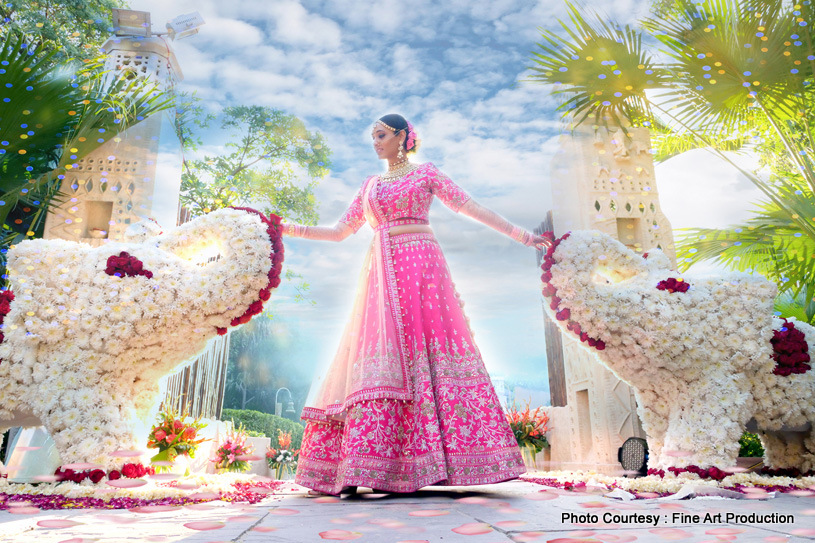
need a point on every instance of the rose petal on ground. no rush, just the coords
(202, 525)
(188, 486)
(583, 533)
(264, 529)
(340, 535)
(126, 483)
(753, 490)
(473, 528)
(23, 510)
(283, 511)
(647, 495)
(127, 454)
(58, 523)
(154, 508)
(801, 493)
(81, 466)
(803, 531)
(477, 500)
(118, 519)
(359, 515)
(429, 513)
(776, 539)
(242, 518)
(612, 538)
(724, 531)
(509, 510)
(510, 523)
(525, 537)
(593, 505)
(46, 478)
(78, 540)
(543, 495)
(326, 499)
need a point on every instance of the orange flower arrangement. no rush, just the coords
(529, 427)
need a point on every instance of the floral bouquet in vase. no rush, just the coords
(530, 429)
(233, 454)
(173, 437)
(282, 460)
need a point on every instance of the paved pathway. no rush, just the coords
(506, 512)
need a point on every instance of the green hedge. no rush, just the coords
(750, 445)
(265, 424)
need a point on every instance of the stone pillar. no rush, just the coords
(602, 179)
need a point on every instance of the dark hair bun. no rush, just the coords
(400, 124)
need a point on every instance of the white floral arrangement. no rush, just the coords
(704, 354)
(89, 331)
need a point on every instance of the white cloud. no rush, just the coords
(294, 25)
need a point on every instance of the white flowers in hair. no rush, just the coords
(696, 349)
(92, 330)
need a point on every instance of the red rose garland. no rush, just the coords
(673, 285)
(550, 291)
(129, 471)
(790, 350)
(6, 297)
(276, 256)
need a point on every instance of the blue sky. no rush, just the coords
(455, 69)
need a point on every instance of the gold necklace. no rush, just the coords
(399, 171)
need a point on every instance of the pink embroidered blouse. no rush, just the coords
(408, 197)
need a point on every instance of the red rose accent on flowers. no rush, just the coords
(790, 350)
(273, 230)
(6, 297)
(115, 474)
(126, 265)
(673, 285)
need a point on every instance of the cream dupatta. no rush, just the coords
(371, 360)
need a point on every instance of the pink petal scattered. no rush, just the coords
(126, 483)
(593, 505)
(724, 531)
(154, 509)
(543, 495)
(612, 538)
(81, 466)
(340, 535)
(510, 523)
(429, 513)
(583, 533)
(26, 449)
(188, 486)
(163, 477)
(264, 529)
(202, 525)
(776, 539)
(78, 540)
(127, 454)
(509, 510)
(678, 454)
(46, 478)
(647, 495)
(801, 493)
(249, 458)
(242, 518)
(473, 528)
(359, 515)
(24, 510)
(326, 499)
(201, 506)
(204, 496)
(117, 519)
(474, 500)
(803, 531)
(525, 537)
(284, 512)
(753, 490)
(58, 523)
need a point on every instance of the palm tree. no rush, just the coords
(730, 77)
(52, 117)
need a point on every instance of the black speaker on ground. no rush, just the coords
(633, 456)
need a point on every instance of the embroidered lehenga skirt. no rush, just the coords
(445, 426)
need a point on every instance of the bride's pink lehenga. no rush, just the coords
(407, 401)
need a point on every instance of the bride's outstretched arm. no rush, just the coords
(338, 232)
(492, 219)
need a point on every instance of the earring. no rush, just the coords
(401, 155)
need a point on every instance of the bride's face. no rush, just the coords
(386, 143)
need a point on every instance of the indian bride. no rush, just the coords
(407, 401)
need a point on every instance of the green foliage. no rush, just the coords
(49, 119)
(71, 28)
(268, 151)
(750, 445)
(736, 77)
(265, 424)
